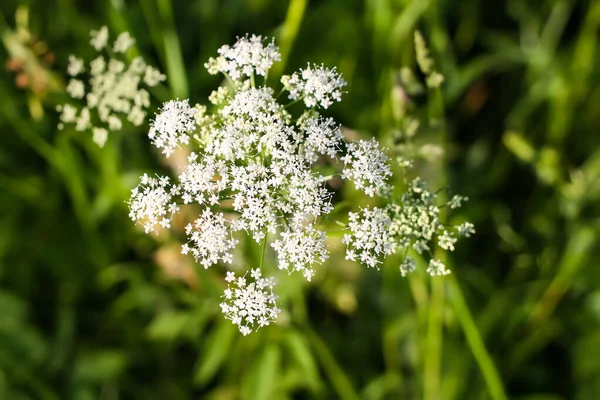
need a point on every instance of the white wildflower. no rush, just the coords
(97, 66)
(252, 305)
(456, 201)
(322, 137)
(446, 241)
(99, 136)
(171, 126)
(437, 268)
(123, 43)
(466, 229)
(370, 239)
(76, 89)
(151, 202)
(113, 90)
(246, 57)
(366, 165)
(300, 248)
(201, 181)
(315, 86)
(83, 122)
(210, 238)
(152, 76)
(99, 38)
(75, 66)
(68, 113)
(408, 266)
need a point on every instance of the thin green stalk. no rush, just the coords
(433, 344)
(341, 382)
(475, 342)
(263, 251)
(289, 31)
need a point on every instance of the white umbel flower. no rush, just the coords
(171, 126)
(123, 42)
(250, 305)
(112, 93)
(75, 66)
(437, 268)
(316, 86)
(246, 57)
(300, 248)
(151, 202)
(466, 229)
(366, 165)
(202, 180)
(99, 136)
(370, 239)
(408, 266)
(322, 137)
(99, 38)
(210, 238)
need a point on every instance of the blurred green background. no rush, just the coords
(90, 308)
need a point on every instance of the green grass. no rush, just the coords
(89, 311)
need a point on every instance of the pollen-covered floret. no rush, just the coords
(250, 305)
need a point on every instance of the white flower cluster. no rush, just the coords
(211, 239)
(152, 204)
(415, 223)
(246, 57)
(366, 165)
(171, 125)
(255, 168)
(252, 305)
(370, 239)
(300, 248)
(114, 91)
(315, 86)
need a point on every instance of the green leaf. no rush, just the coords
(215, 351)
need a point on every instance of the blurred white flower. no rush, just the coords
(100, 135)
(99, 38)
(75, 66)
(113, 90)
(437, 268)
(123, 42)
(408, 266)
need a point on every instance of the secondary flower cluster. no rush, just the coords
(114, 93)
(255, 169)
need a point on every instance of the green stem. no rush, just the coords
(433, 344)
(263, 251)
(475, 342)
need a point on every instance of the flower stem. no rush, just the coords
(263, 251)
